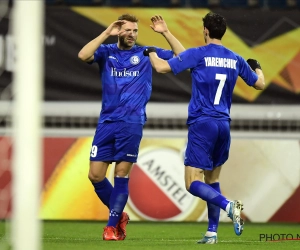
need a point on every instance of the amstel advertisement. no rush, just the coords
(264, 174)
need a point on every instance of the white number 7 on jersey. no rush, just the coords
(222, 79)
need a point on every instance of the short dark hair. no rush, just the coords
(216, 25)
(129, 18)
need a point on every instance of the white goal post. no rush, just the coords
(28, 29)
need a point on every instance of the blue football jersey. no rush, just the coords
(126, 77)
(214, 71)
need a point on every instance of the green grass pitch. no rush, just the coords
(87, 235)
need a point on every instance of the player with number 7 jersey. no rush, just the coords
(214, 69)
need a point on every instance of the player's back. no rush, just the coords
(214, 79)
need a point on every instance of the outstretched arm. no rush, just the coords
(260, 83)
(255, 66)
(160, 26)
(86, 54)
(160, 65)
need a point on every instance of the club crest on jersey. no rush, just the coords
(134, 60)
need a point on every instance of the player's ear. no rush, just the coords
(206, 32)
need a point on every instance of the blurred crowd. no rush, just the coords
(271, 4)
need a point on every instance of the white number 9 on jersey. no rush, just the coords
(94, 151)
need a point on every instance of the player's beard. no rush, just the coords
(126, 44)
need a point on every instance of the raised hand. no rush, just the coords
(114, 28)
(254, 64)
(159, 25)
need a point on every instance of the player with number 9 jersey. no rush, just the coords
(126, 77)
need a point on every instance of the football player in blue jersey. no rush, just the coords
(214, 71)
(126, 77)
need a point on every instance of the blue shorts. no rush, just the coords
(208, 144)
(116, 141)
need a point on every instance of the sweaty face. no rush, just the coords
(128, 35)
